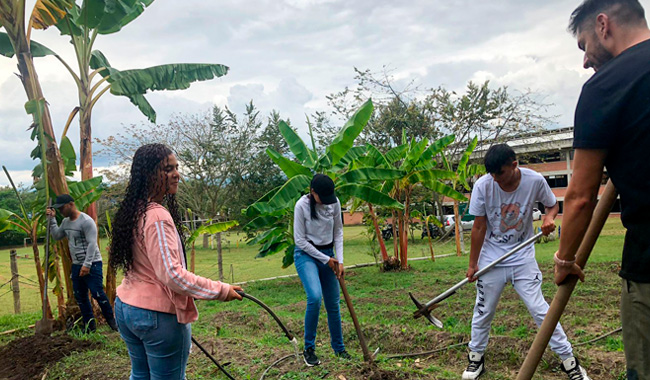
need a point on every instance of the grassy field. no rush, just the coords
(244, 335)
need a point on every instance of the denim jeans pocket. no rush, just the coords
(142, 320)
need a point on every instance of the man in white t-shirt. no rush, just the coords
(502, 202)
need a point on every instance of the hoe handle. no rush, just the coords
(362, 341)
(564, 291)
(481, 272)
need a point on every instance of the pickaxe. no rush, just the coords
(425, 310)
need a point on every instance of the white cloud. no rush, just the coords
(289, 54)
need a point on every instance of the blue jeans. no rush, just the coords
(93, 282)
(158, 345)
(320, 282)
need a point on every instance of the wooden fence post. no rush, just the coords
(14, 281)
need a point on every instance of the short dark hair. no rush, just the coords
(497, 156)
(628, 12)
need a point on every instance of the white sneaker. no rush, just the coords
(476, 366)
(573, 369)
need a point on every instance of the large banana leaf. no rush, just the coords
(85, 192)
(68, 155)
(378, 158)
(290, 191)
(353, 154)
(445, 190)
(174, 76)
(4, 219)
(49, 12)
(414, 154)
(98, 61)
(369, 195)
(438, 146)
(287, 260)
(37, 50)
(261, 237)
(429, 175)
(283, 198)
(289, 167)
(465, 158)
(397, 153)
(296, 145)
(346, 136)
(109, 16)
(371, 174)
(210, 229)
(261, 222)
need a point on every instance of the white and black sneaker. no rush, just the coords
(573, 369)
(476, 366)
(309, 355)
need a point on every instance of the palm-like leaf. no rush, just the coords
(445, 190)
(37, 50)
(49, 12)
(369, 195)
(211, 228)
(296, 145)
(363, 175)
(109, 16)
(346, 136)
(289, 167)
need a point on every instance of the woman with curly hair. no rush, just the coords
(155, 302)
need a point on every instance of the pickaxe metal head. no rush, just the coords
(424, 310)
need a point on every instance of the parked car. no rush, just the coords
(537, 215)
(449, 222)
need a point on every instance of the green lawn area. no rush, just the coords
(243, 334)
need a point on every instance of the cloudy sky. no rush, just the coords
(289, 54)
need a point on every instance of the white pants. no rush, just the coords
(527, 281)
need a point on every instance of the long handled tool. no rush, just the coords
(566, 288)
(425, 309)
(44, 326)
(362, 341)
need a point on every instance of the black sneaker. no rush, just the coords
(343, 355)
(310, 357)
(476, 366)
(573, 369)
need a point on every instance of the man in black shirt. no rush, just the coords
(612, 130)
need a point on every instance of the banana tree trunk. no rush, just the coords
(380, 238)
(85, 136)
(66, 263)
(457, 227)
(426, 225)
(60, 300)
(395, 243)
(404, 237)
(39, 271)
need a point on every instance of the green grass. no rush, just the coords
(241, 333)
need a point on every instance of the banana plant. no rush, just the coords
(464, 171)
(94, 76)
(417, 159)
(272, 214)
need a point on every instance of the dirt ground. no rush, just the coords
(29, 357)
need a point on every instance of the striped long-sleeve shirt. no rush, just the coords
(158, 279)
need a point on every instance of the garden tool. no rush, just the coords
(425, 309)
(565, 289)
(362, 341)
(44, 326)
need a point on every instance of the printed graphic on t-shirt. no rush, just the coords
(510, 220)
(79, 239)
(511, 217)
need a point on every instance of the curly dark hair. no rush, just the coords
(145, 180)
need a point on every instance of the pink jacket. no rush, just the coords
(158, 279)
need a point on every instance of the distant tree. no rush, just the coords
(221, 155)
